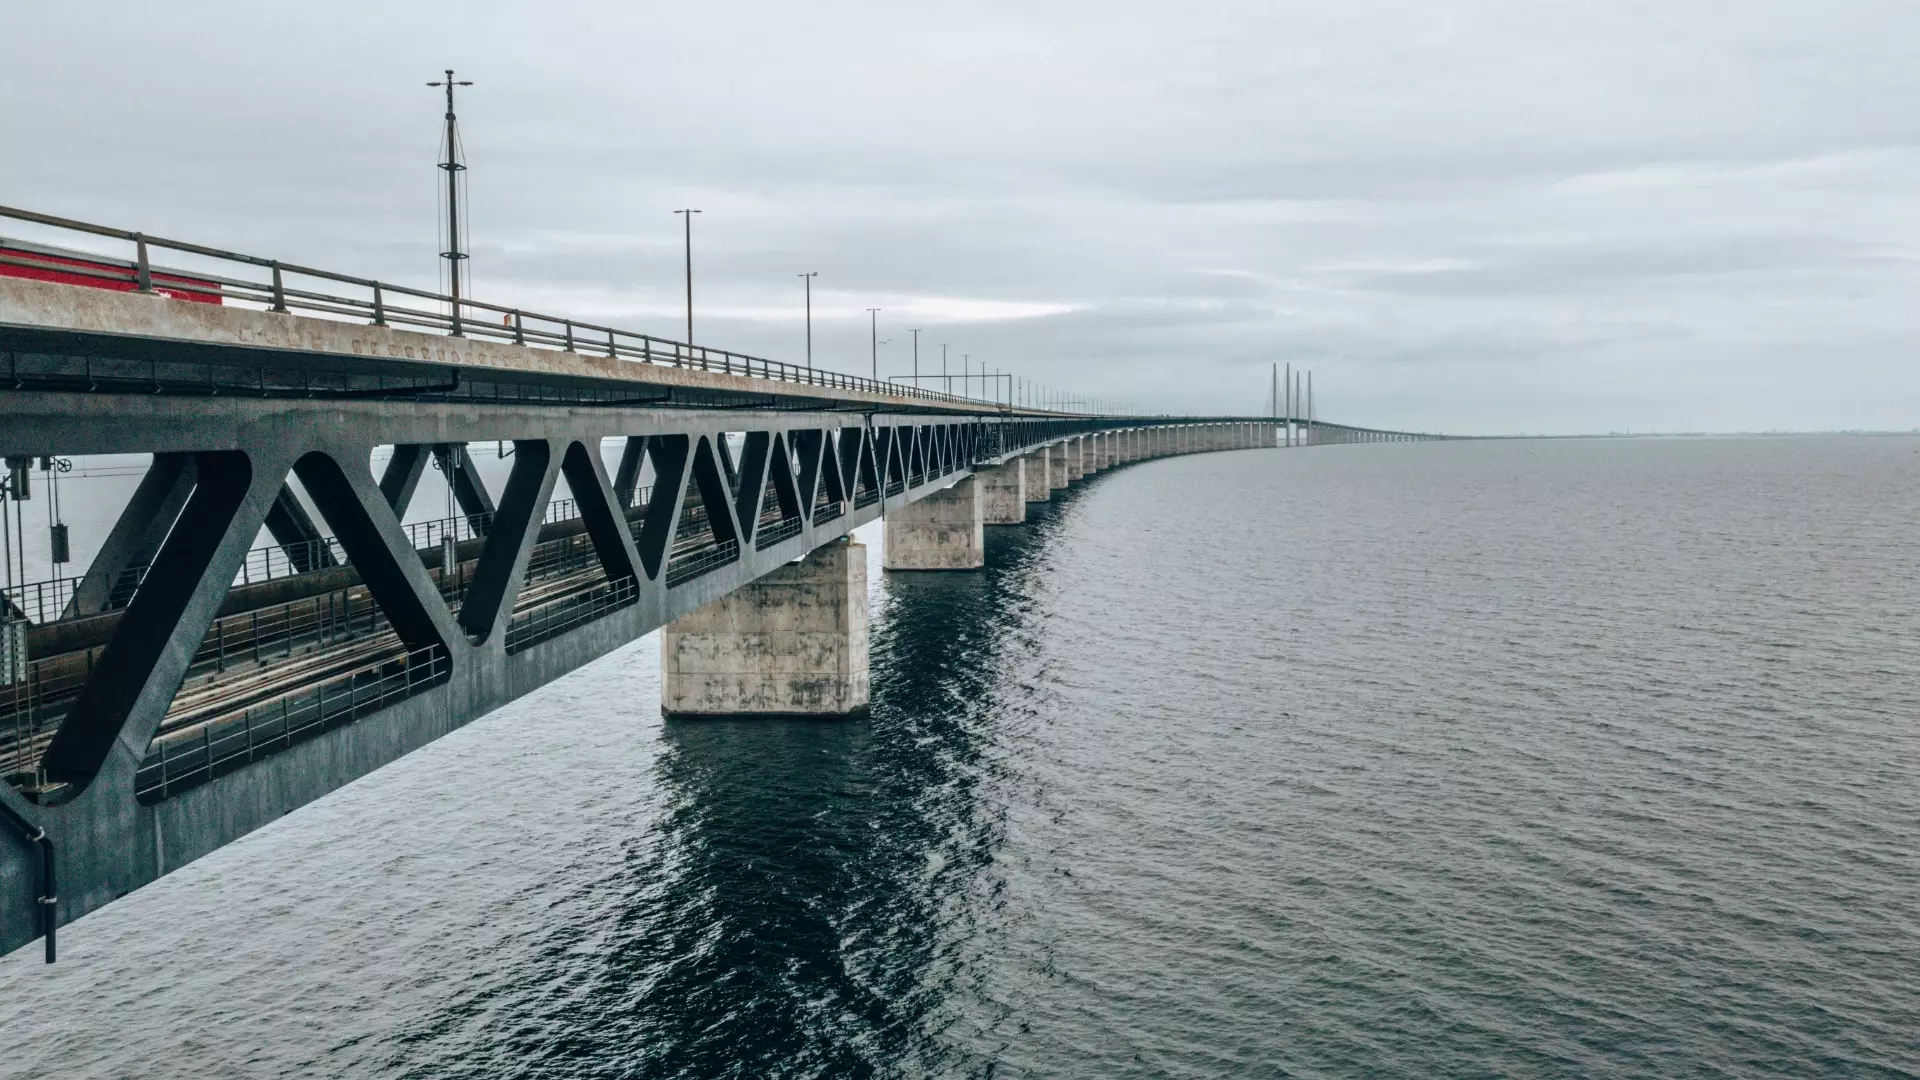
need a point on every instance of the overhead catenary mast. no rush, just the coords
(1289, 414)
(454, 167)
(686, 217)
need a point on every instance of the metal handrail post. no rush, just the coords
(143, 268)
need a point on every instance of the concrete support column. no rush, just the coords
(1057, 466)
(939, 532)
(1076, 458)
(1003, 494)
(1034, 482)
(793, 643)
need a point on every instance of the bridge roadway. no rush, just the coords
(192, 685)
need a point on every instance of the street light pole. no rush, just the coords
(873, 316)
(808, 277)
(687, 216)
(454, 168)
(916, 358)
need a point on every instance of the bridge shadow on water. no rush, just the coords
(811, 903)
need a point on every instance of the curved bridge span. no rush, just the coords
(265, 622)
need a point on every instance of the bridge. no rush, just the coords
(259, 626)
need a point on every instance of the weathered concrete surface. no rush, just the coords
(48, 305)
(940, 532)
(1003, 494)
(1037, 469)
(793, 643)
(1076, 458)
(1057, 477)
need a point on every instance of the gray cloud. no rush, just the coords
(1483, 215)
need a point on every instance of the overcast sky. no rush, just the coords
(1468, 216)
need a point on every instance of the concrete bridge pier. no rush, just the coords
(1003, 492)
(1057, 478)
(939, 532)
(1036, 469)
(793, 643)
(1076, 458)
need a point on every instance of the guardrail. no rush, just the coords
(686, 567)
(183, 759)
(537, 624)
(374, 303)
(770, 535)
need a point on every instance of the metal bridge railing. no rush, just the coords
(535, 625)
(182, 759)
(769, 535)
(701, 560)
(365, 299)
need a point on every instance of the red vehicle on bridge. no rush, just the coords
(21, 259)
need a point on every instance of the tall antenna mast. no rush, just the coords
(454, 168)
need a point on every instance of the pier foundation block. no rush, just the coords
(791, 644)
(939, 532)
(1003, 494)
(1057, 466)
(1035, 480)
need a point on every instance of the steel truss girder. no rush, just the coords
(239, 454)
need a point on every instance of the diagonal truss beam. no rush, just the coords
(516, 526)
(600, 511)
(142, 666)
